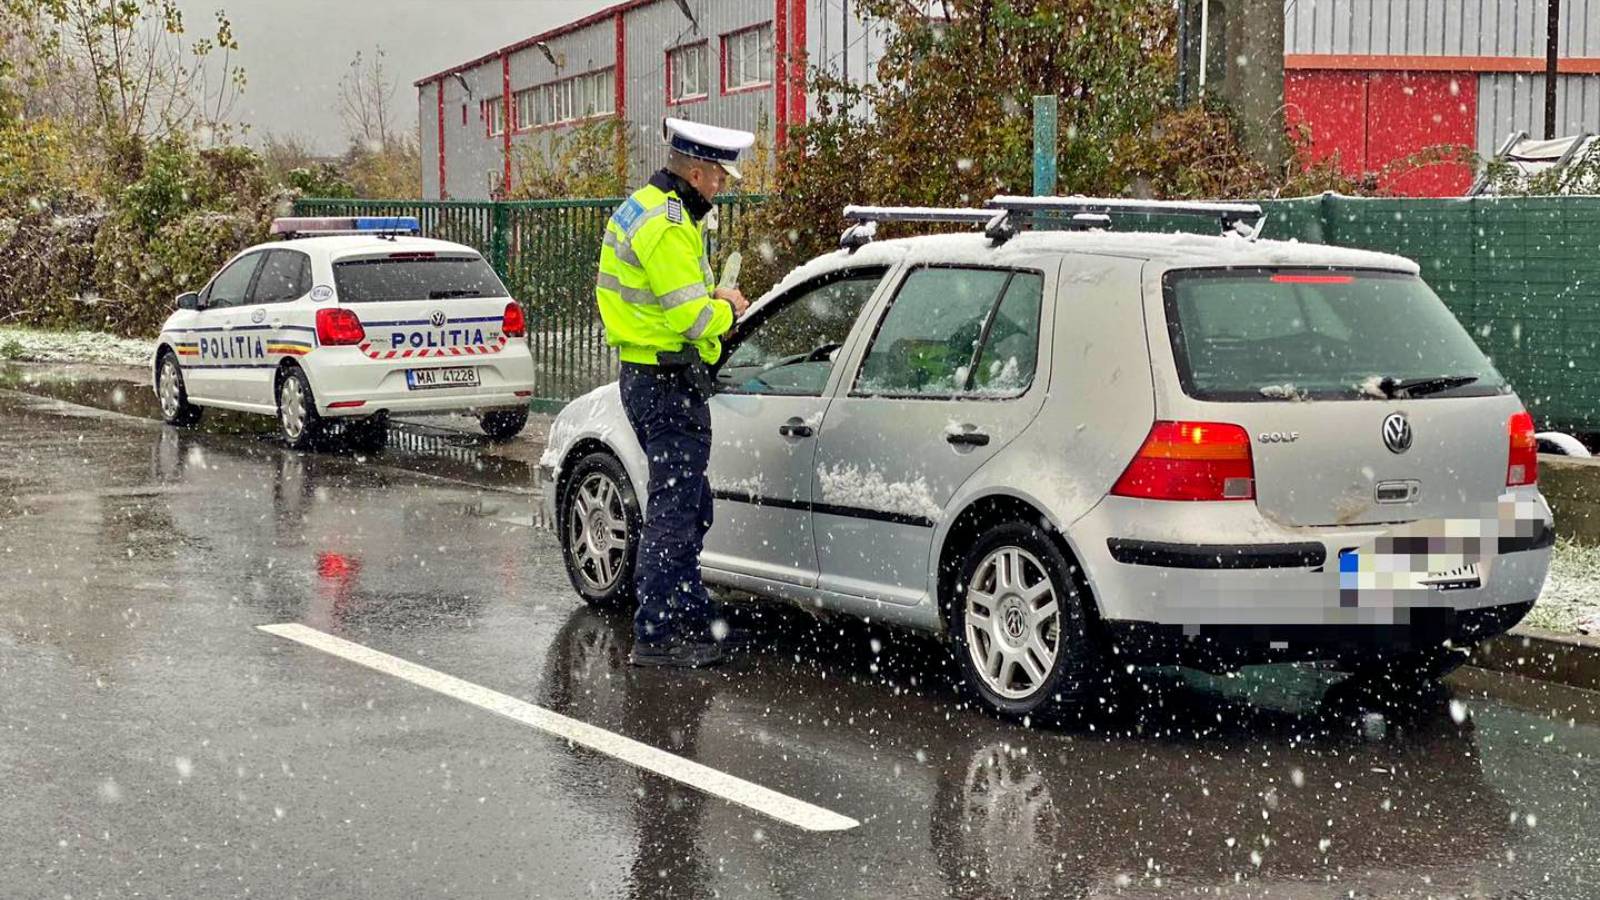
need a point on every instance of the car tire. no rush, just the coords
(298, 420)
(594, 501)
(503, 424)
(172, 395)
(1025, 657)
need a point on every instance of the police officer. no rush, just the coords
(666, 318)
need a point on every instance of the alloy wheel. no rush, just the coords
(1013, 623)
(292, 408)
(597, 531)
(169, 387)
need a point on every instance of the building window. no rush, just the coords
(568, 100)
(686, 73)
(747, 58)
(494, 116)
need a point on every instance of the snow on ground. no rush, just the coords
(35, 345)
(1571, 597)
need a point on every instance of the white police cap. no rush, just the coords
(707, 142)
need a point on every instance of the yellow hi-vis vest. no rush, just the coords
(654, 285)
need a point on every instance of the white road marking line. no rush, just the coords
(718, 784)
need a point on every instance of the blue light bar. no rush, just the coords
(315, 225)
(388, 223)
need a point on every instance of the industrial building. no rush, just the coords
(1371, 81)
(736, 64)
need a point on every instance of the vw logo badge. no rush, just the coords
(258, 316)
(1397, 433)
(1014, 622)
(437, 318)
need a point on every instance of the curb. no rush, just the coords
(1569, 659)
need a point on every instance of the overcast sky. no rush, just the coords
(294, 51)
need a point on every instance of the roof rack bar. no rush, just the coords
(1227, 213)
(917, 214)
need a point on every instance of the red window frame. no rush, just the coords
(722, 63)
(488, 120)
(695, 98)
(523, 127)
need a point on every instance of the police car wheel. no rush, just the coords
(599, 523)
(298, 420)
(503, 424)
(175, 406)
(1019, 624)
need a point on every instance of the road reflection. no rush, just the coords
(1178, 780)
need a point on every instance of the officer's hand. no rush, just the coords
(735, 299)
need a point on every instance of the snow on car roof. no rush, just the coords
(1174, 250)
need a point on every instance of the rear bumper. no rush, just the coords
(1226, 646)
(343, 375)
(1208, 566)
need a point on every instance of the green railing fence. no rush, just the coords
(546, 252)
(1522, 274)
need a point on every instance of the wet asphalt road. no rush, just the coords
(154, 743)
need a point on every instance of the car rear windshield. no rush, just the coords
(1280, 334)
(415, 278)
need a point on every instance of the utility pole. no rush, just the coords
(1552, 46)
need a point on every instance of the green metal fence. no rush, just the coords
(546, 251)
(1522, 274)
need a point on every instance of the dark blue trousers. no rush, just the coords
(674, 427)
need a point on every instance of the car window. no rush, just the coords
(792, 348)
(415, 276)
(229, 287)
(286, 275)
(1010, 350)
(928, 341)
(1264, 334)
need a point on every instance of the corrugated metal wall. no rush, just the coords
(1437, 27)
(577, 52)
(471, 159)
(428, 137)
(1510, 102)
(654, 29)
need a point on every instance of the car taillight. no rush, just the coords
(339, 327)
(1191, 461)
(1523, 467)
(514, 325)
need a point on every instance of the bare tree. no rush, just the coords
(366, 97)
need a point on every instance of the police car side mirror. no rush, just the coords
(189, 300)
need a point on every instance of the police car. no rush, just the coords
(347, 320)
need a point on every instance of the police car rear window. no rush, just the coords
(393, 278)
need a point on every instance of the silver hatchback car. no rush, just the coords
(1072, 451)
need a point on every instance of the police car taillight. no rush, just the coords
(514, 324)
(339, 327)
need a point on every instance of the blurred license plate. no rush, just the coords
(1467, 576)
(458, 376)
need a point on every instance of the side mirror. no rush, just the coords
(189, 300)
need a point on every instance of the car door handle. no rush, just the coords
(967, 436)
(796, 428)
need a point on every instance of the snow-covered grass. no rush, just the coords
(35, 345)
(1570, 601)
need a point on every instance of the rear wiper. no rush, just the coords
(1418, 387)
(441, 295)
